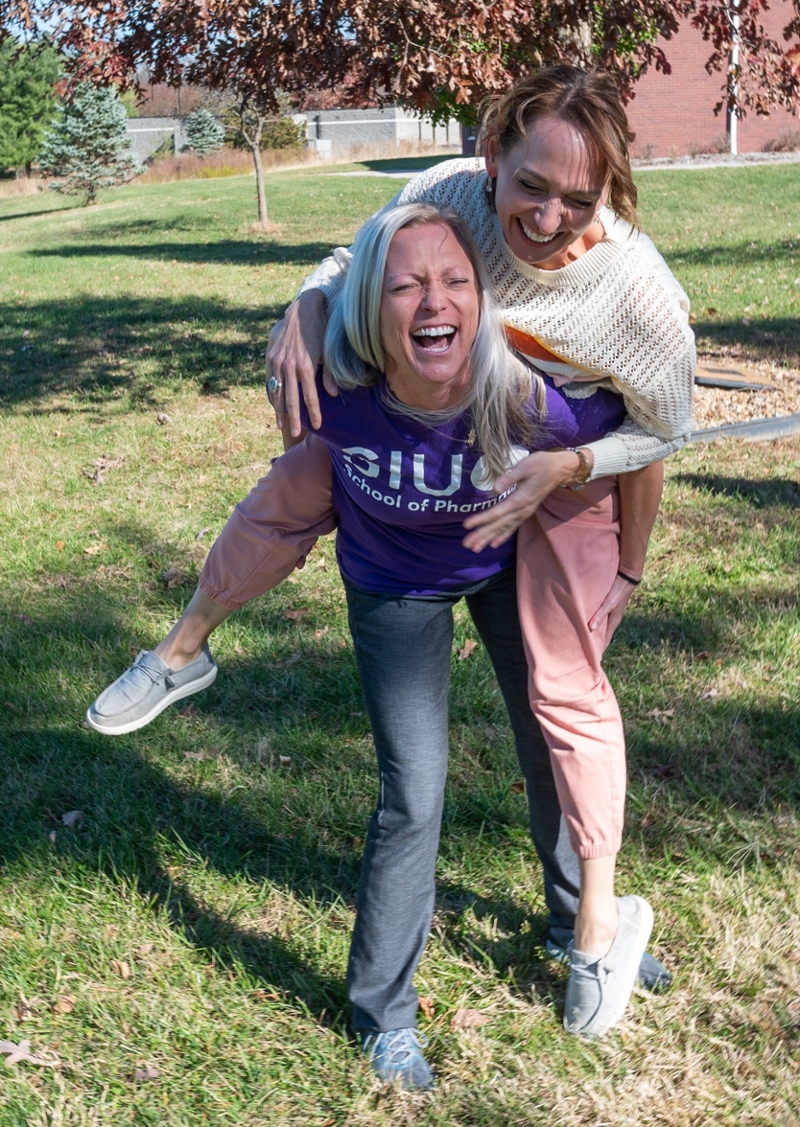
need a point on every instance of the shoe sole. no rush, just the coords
(142, 721)
(641, 945)
(629, 981)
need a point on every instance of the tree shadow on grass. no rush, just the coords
(736, 256)
(783, 492)
(764, 338)
(4, 216)
(140, 808)
(225, 252)
(127, 345)
(135, 816)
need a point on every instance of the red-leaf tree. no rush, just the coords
(437, 56)
(440, 56)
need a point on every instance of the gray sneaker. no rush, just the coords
(145, 690)
(599, 988)
(653, 975)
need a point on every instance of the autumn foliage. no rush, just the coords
(433, 55)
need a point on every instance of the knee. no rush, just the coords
(410, 818)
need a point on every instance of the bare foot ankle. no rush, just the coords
(175, 657)
(596, 936)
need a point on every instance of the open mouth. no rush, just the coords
(534, 238)
(436, 338)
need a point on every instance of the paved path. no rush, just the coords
(712, 160)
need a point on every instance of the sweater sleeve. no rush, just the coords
(654, 370)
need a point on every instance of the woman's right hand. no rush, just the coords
(293, 355)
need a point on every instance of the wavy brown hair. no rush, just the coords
(591, 101)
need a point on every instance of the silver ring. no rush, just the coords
(274, 386)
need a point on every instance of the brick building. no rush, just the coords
(673, 115)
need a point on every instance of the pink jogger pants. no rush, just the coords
(567, 558)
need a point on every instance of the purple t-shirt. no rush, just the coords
(402, 489)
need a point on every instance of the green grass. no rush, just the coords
(196, 918)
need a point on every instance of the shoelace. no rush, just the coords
(154, 674)
(395, 1044)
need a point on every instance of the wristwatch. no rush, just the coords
(584, 470)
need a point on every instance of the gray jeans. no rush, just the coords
(403, 649)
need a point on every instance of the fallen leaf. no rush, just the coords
(93, 549)
(468, 1019)
(60, 545)
(322, 564)
(63, 1005)
(427, 1007)
(703, 655)
(321, 633)
(173, 578)
(518, 786)
(120, 967)
(146, 1072)
(188, 712)
(71, 818)
(661, 717)
(23, 1009)
(11, 707)
(709, 693)
(22, 1051)
(203, 532)
(163, 419)
(285, 760)
(295, 615)
(263, 996)
(195, 755)
(146, 948)
(52, 837)
(467, 649)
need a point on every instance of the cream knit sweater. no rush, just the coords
(616, 316)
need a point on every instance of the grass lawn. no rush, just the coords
(177, 952)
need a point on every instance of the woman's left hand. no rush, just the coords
(535, 478)
(612, 608)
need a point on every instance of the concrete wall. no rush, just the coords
(148, 133)
(338, 131)
(673, 115)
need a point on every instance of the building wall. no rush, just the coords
(147, 134)
(338, 131)
(673, 115)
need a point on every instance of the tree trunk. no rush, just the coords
(255, 145)
(575, 40)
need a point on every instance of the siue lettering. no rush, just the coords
(364, 461)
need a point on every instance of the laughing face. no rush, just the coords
(549, 187)
(429, 316)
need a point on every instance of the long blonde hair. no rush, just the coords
(500, 384)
